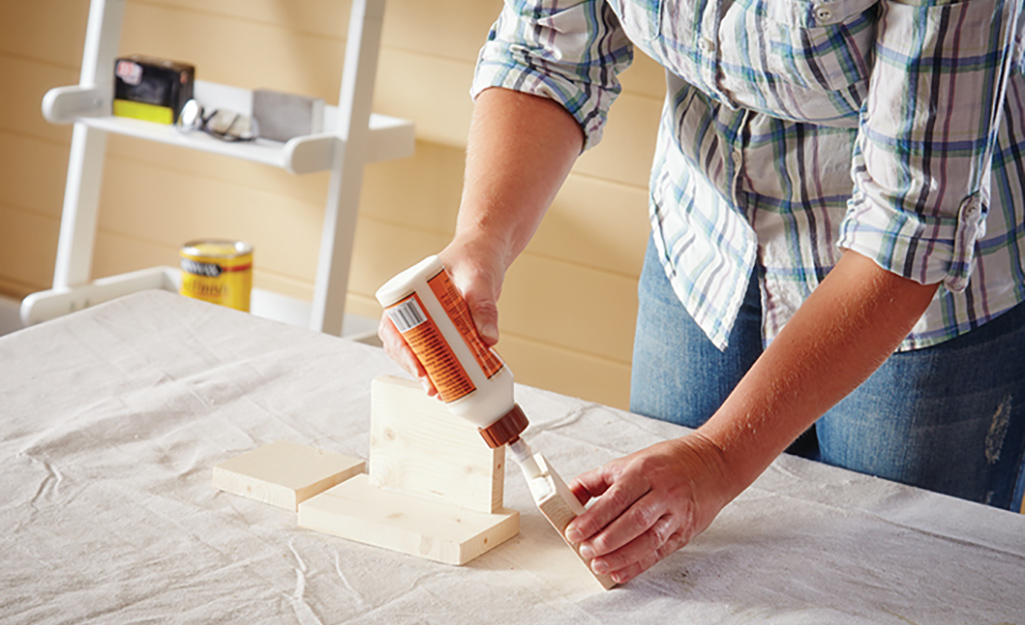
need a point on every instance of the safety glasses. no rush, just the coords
(221, 124)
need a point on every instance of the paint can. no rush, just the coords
(218, 271)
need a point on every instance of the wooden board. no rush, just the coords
(358, 511)
(284, 473)
(560, 506)
(419, 448)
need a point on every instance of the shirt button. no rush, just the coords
(737, 155)
(706, 45)
(824, 15)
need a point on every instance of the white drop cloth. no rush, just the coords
(111, 420)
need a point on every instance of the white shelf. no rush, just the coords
(353, 137)
(389, 137)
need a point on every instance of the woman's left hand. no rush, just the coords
(649, 504)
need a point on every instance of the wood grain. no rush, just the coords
(358, 511)
(418, 447)
(560, 506)
(284, 474)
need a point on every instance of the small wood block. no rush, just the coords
(560, 506)
(358, 511)
(284, 474)
(418, 447)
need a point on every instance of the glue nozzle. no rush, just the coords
(524, 457)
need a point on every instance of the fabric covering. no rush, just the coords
(113, 418)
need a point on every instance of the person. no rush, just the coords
(837, 250)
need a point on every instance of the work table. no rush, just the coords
(111, 421)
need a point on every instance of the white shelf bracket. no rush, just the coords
(352, 138)
(85, 165)
(339, 228)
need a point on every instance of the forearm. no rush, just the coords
(851, 323)
(520, 149)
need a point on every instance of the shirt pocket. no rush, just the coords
(817, 44)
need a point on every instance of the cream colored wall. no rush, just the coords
(568, 306)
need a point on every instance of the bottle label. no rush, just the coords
(455, 306)
(431, 349)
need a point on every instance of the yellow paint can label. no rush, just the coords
(219, 272)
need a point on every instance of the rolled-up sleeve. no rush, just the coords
(926, 136)
(567, 51)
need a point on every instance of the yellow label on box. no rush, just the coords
(143, 111)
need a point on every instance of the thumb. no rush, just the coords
(484, 312)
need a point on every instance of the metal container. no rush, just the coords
(218, 271)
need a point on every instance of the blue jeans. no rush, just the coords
(949, 418)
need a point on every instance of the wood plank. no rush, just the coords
(567, 371)
(599, 224)
(52, 31)
(420, 193)
(408, 24)
(418, 447)
(116, 253)
(434, 488)
(571, 306)
(284, 473)
(584, 309)
(560, 506)
(171, 207)
(25, 84)
(355, 510)
(28, 246)
(628, 144)
(32, 173)
(261, 55)
(311, 188)
(592, 222)
(441, 106)
(644, 77)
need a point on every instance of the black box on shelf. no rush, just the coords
(151, 89)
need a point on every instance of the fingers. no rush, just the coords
(646, 506)
(477, 272)
(485, 317)
(635, 541)
(639, 555)
(589, 485)
(398, 350)
(616, 497)
(627, 527)
(480, 295)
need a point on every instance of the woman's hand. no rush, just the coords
(520, 149)
(477, 269)
(649, 504)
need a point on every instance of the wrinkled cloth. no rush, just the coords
(113, 418)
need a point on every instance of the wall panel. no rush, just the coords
(28, 245)
(542, 365)
(26, 81)
(568, 306)
(31, 175)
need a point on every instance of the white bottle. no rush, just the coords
(434, 319)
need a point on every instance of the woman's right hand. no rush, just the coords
(520, 149)
(477, 269)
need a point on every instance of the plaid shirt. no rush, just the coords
(794, 129)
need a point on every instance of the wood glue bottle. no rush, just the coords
(434, 319)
